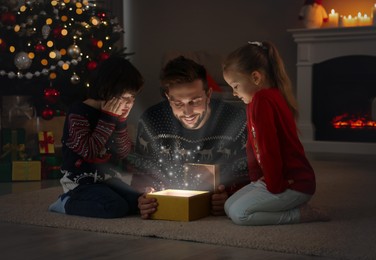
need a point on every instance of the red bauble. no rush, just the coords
(102, 15)
(40, 47)
(51, 95)
(8, 18)
(94, 43)
(47, 113)
(57, 32)
(92, 65)
(103, 56)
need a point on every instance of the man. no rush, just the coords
(189, 127)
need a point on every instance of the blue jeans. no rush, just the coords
(255, 205)
(110, 199)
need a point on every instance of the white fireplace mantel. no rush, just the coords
(318, 45)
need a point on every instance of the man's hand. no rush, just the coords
(147, 206)
(218, 201)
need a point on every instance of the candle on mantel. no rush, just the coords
(333, 19)
(364, 20)
(349, 21)
(373, 14)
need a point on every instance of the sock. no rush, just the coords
(59, 205)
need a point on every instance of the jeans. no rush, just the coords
(255, 205)
(110, 199)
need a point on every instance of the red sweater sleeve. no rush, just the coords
(267, 145)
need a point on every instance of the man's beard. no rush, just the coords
(201, 117)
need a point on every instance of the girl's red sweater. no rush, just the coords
(274, 150)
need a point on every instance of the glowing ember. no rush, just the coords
(352, 121)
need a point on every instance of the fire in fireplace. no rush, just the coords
(343, 91)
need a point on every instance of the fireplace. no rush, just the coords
(336, 89)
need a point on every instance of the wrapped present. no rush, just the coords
(181, 205)
(55, 125)
(13, 144)
(26, 171)
(5, 172)
(50, 167)
(46, 142)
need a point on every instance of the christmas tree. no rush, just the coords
(49, 48)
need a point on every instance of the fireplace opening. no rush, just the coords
(343, 93)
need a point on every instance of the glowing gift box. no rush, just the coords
(181, 205)
(202, 176)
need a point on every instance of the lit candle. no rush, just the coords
(364, 20)
(373, 14)
(349, 21)
(333, 19)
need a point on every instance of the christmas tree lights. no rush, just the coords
(49, 48)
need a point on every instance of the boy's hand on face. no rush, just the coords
(113, 106)
(218, 201)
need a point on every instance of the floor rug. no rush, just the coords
(348, 196)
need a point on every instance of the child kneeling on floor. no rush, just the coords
(95, 138)
(282, 179)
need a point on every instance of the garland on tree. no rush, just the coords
(49, 48)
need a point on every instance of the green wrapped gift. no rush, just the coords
(5, 172)
(13, 144)
(50, 167)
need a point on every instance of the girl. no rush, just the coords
(94, 139)
(282, 179)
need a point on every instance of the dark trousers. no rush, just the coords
(110, 199)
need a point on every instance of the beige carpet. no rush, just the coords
(347, 191)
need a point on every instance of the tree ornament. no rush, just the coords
(103, 56)
(47, 113)
(92, 65)
(40, 47)
(51, 95)
(75, 79)
(102, 15)
(46, 29)
(22, 60)
(59, 112)
(56, 32)
(94, 43)
(8, 18)
(74, 51)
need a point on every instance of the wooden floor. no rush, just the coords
(34, 242)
